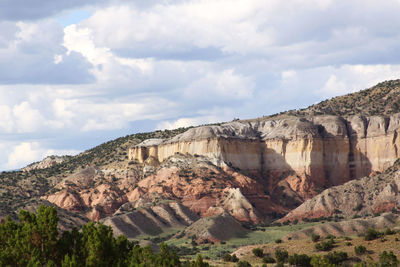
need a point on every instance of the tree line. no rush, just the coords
(35, 241)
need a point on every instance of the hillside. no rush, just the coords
(238, 173)
(19, 187)
(358, 198)
(381, 99)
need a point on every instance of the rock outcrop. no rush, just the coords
(49, 161)
(304, 154)
(362, 197)
(151, 221)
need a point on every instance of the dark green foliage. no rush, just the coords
(281, 255)
(389, 231)
(197, 263)
(227, 257)
(330, 237)
(336, 257)
(315, 237)
(372, 234)
(325, 245)
(360, 250)
(388, 259)
(243, 264)
(358, 207)
(258, 252)
(35, 241)
(278, 241)
(268, 259)
(301, 260)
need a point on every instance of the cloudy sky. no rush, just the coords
(74, 73)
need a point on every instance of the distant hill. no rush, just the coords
(381, 99)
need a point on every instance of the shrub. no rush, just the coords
(268, 259)
(360, 250)
(336, 257)
(325, 245)
(278, 241)
(358, 207)
(330, 237)
(388, 259)
(281, 255)
(389, 231)
(301, 260)
(258, 252)
(372, 234)
(230, 258)
(227, 257)
(315, 238)
(243, 264)
(234, 258)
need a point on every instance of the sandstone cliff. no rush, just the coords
(302, 154)
(362, 197)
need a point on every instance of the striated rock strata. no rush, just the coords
(301, 154)
(362, 197)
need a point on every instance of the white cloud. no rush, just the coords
(28, 152)
(220, 86)
(351, 78)
(27, 119)
(6, 120)
(179, 63)
(186, 122)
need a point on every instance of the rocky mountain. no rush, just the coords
(294, 157)
(358, 198)
(46, 163)
(244, 170)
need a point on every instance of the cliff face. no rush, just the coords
(362, 197)
(303, 154)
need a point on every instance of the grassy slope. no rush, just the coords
(381, 99)
(306, 246)
(262, 235)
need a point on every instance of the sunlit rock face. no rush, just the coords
(307, 153)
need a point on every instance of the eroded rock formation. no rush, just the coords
(308, 153)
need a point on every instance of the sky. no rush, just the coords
(75, 74)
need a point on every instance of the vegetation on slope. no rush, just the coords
(17, 187)
(381, 99)
(35, 241)
(341, 251)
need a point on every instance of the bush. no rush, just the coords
(227, 257)
(372, 234)
(336, 257)
(315, 238)
(281, 255)
(268, 259)
(388, 259)
(258, 252)
(330, 237)
(360, 250)
(301, 260)
(389, 231)
(243, 264)
(325, 245)
(278, 241)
